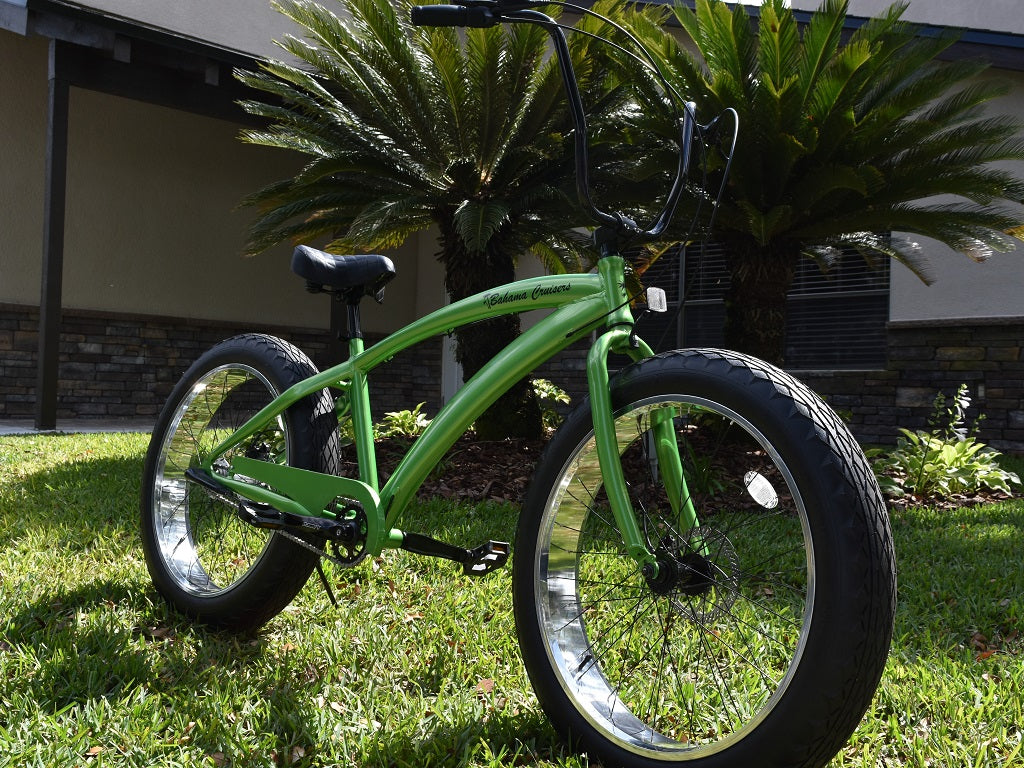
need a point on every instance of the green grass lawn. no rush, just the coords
(418, 665)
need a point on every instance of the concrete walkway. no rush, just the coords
(73, 426)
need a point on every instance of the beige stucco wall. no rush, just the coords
(153, 224)
(996, 15)
(22, 153)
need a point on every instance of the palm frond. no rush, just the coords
(969, 228)
(779, 45)
(871, 246)
(568, 251)
(382, 224)
(445, 68)
(477, 221)
(820, 42)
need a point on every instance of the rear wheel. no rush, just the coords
(202, 557)
(762, 637)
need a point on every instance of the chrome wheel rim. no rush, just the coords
(685, 670)
(205, 547)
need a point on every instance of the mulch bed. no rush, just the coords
(472, 470)
(475, 470)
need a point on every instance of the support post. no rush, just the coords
(55, 192)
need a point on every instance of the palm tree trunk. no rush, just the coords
(755, 304)
(516, 413)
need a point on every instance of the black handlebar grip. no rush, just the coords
(452, 16)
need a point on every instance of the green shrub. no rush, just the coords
(402, 423)
(942, 461)
(550, 395)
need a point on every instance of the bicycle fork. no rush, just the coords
(619, 338)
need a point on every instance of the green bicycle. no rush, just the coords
(703, 567)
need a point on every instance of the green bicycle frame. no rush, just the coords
(581, 304)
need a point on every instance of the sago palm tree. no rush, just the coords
(840, 144)
(405, 128)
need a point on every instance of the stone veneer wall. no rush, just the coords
(119, 366)
(924, 358)
(124, 366)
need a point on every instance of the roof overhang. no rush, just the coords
(114, 55)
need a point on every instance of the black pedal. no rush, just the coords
(489, 556)
(479, 561)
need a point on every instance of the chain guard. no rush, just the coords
(279, 525)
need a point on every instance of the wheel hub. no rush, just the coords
(680, 570)
(700, 587)
(698, 574)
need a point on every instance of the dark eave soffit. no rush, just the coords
(111, 55)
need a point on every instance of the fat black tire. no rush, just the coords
(764, 635)
(203, 559)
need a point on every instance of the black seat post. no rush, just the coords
(352, 297)
(355, 328)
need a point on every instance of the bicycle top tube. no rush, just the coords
(488, 13)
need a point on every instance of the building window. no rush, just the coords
(835, 320)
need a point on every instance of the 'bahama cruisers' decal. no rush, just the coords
(510, 297)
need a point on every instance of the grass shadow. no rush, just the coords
(96, 640)
(73, 498)
(507, 738)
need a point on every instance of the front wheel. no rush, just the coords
(762, 636)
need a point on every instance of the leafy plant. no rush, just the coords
(550, 396)
(944, 461)
(404, 423)
(703, 477)
(346, 429)
(949, 420)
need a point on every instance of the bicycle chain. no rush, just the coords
(339, 561)
(303, 543)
